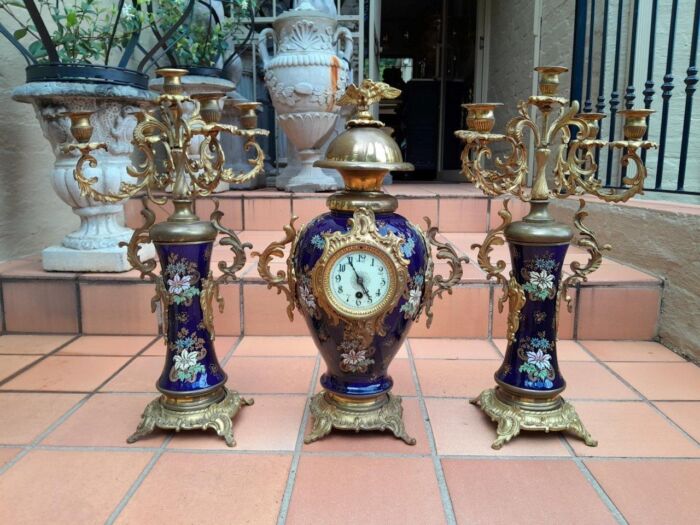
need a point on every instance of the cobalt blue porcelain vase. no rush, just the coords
(360, 275)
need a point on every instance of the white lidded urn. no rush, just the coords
(305, 79)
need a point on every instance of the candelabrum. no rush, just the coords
(192, 383)
(529, 382)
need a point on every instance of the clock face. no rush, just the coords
(361, 281)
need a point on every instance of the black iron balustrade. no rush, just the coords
(619, 35)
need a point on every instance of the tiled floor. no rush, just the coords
(69, 403)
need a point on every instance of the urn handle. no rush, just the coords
(139, 237)
(230, 239)
(266, 33)
(436, 285)
(512, 291)
(283, 281)
(595, 251)
(343, 34)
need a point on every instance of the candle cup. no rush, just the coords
(249, 116)
(480, 116)
(172, 80)
(549, 79)
(209, 106)
(592, 120)
(635, 126)
(80, 126)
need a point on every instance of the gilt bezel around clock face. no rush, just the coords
(363, 238)
(367, 310)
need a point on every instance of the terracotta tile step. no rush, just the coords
(622, 303)
(452, 207)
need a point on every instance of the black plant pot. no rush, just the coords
(86, 73)
(204, 71)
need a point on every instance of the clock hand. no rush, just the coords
(359, 279)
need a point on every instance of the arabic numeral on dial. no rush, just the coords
(381, 269)
(379, 292)
(358, 302)
(371, 262)
(383, 282)
(361, 258)
(341, 268)
(340, 289)
(338, 278)
(349, 259)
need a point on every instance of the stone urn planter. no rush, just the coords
(94, 246)
(305, 79)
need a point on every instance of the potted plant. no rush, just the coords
(80, 65)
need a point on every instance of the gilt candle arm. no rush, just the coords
(436, 285)
(282, 281)
(580, 168)
(510, 171)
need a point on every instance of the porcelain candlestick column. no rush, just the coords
(529, 382)
(192, 383)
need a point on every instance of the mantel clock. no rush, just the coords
(360, 275)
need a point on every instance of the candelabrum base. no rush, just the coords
(512, 417)
(216, 414)
(381, 413)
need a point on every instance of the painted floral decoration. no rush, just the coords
(408, 246)
(306, 296)
(354, 358)
(540, 278)
(181, 276)
(189, 351)
(538, 361)
(412, 305)
(318, 242)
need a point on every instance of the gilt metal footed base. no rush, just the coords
(382, 413)
(512, 418)
(217, 415)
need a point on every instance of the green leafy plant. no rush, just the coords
(206, 36)
(82, 29)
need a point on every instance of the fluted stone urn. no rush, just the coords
(305, 80)
(94, 246)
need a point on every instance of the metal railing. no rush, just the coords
(639, 46)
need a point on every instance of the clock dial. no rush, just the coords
(360, 281)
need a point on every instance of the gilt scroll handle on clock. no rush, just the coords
(436, 285)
